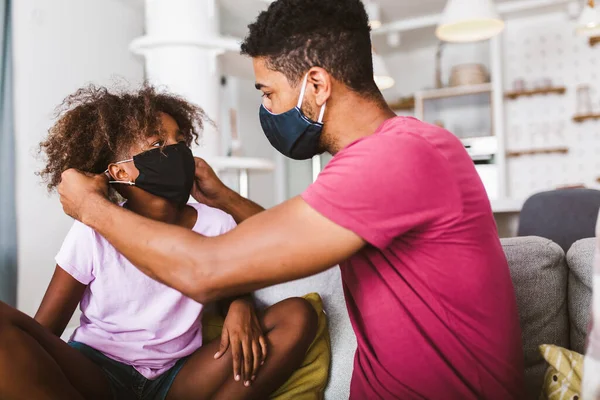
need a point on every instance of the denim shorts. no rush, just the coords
(125, 382)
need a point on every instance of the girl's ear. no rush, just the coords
(117, 173)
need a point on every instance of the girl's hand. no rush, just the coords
(243, 333)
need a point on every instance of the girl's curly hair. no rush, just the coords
(96, 126)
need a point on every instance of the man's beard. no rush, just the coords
(310, 112)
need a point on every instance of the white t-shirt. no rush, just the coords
(126, 315)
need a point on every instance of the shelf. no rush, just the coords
(585, 117)
(240, 163)
(403, 104)
(549, 150)
(142, 44)
(506, 206)
(534, 92)
(455, 91)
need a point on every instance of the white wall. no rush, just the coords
(59, 46)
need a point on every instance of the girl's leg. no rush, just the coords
(290, 328)
(35, 364)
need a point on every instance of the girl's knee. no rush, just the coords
(7, 314)
(299, 317)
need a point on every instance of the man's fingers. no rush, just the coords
(236, 354)
(201, 165)
(224, 344)
(256, 351)
(248, 360)
(264, 347)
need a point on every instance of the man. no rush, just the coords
(400, 207)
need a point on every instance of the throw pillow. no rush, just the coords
(563, 376)
(307, 382)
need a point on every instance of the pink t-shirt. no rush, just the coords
(126, 315)
(430, 297)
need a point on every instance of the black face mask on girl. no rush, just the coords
(166, 172)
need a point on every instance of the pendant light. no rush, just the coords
(589, 20)
(381, 75)
(469, 21)
(374, 14)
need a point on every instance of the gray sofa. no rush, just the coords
(553, 294)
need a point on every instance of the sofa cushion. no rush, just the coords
(539, 274)
(343, 341)
(580, 259)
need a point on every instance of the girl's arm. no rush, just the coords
(59, 303)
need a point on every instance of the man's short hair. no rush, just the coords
(295, 35)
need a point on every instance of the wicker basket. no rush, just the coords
(468, 74)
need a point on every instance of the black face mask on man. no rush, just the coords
(167, 172)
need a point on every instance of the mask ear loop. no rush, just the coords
(301, 99)
(130, 183)
(302, 91)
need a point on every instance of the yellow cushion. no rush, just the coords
(563, 376)
(309, 381)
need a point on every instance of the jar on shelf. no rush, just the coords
(584, 100)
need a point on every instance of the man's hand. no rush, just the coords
(243, 334)
(76, 189)
(208, 189)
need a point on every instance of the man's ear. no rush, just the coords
(117, 173)
(320, 84)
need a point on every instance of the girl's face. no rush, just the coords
(127, 172)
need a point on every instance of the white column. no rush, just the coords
(181, 47)
(498, 113)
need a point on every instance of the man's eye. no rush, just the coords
(158, 143)
(267, 95)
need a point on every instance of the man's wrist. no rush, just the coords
(226, 199)
(91, 209)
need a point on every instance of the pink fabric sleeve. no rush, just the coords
(76, 256)
(382, 186)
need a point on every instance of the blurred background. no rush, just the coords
(516, 80)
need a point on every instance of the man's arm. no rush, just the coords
(287, 242)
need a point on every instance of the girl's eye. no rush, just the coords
(267, 95)
(158, 143)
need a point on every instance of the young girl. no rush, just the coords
(137, 338)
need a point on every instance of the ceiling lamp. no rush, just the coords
(374, 13)
(469, 21)
(381, 75)
(589, 20)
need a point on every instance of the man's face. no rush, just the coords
(278, 95)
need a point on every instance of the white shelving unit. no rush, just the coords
(243, 166)
(240, 163)
(491, 145)
(482, 144)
